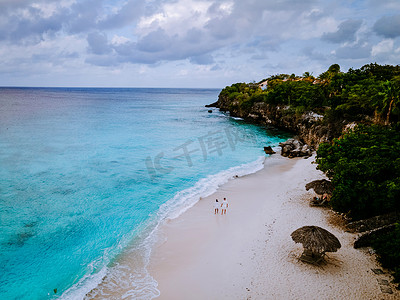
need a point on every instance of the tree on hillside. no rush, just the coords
(330, 73)
(364, 166)
(308, 77)
(379, 72)
(391, 98)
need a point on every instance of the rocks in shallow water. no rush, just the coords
(295, 148)
(268, 150)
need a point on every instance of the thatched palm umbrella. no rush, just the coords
(320, 186)
(316, 241)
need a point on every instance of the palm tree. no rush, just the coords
(308, 77)
(391, 97)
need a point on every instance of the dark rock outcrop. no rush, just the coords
(374, 222)
(212, 104)
(295, 148)
(368, 237)
(372, 228)
(268, 150)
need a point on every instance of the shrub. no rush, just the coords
(387, 246)
(364, 166)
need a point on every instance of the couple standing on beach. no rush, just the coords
(223, 206)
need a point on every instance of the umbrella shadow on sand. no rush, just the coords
(316, 242)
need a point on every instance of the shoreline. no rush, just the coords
(249, 254)
(129, 270)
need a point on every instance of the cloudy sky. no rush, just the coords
(189, 43)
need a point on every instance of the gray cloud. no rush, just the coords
(22, 20)
(282, 5)
(152, 48)
(32, 29)
(156, 41)
(242, 26)
(216, 67)
(388, 26)
(90, 14)
(287, 33)
(222, 28)
(194, 36)
(98, 43)
(82, 16)
(379, 5)
(205, 59)
(127, 14)
(159, 46)
(102, 60)
(313, 54)
(345, 33)
(9, 6)
(90, 17)
(264, 43)
(357, 51)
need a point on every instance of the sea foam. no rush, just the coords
(135, 282)
(79, 202)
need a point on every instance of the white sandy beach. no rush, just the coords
(249, 254)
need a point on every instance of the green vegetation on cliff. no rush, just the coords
(364, 166)
(387, 246)
(369, 93)
(363, 163)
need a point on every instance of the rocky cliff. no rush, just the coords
(309, 126)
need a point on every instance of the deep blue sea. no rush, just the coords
(87, 175)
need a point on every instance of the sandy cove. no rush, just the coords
(249, 254)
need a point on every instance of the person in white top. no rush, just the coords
(217, 205)
(224, 206)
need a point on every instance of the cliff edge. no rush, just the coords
(309, 126)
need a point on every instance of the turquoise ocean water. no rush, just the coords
(88, 174)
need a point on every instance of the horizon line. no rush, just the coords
(104, 87)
